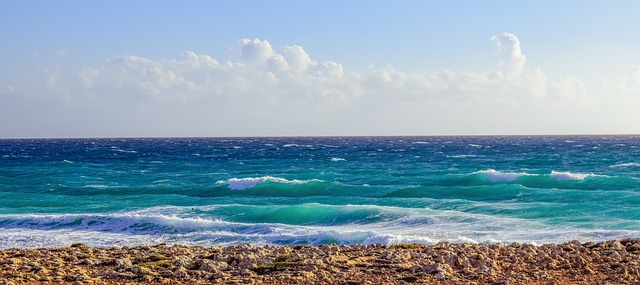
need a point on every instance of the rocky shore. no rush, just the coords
(611, 262)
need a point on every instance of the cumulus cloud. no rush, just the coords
(269, 74)
(297, 59)
(512, 59)
(283, 90)
(290, 72)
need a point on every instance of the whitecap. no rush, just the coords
(102, 186)
(630, 164)
(498, 176)
(562, 176)
(298, 145)
(337, 159)
(462, 156)
(250, 182)
(124, 150)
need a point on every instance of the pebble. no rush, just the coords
(609, 262)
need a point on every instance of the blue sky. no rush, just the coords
(245, 68)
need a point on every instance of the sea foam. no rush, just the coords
(250, 182)
(498, 176)
(562, 176)
(630, 164)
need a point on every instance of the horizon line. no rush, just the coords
(326, 136)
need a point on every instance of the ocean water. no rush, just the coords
(318, 190)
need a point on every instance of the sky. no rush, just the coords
(318, 68)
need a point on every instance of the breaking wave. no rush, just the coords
(501, 176)
(250, 182)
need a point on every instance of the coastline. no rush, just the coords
(609, 262)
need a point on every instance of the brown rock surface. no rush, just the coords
(611, 262)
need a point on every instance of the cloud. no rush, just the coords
(290, 73)
(271, 90)
(512, 59)
(58, 53)
(8, 90)
(297, 59)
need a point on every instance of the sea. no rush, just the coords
(106, 192)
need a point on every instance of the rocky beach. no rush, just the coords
(610, 262)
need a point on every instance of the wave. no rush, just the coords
(298, 145)
(118, 149)
(246, 183)
(631, 164)
(337, 159)
(562, 176)
(150, 221)
(158, 225)
(498, 176)
(540, 180)
(463, 156)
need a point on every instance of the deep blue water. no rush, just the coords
(345, 190)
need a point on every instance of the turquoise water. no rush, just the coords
(345, 190)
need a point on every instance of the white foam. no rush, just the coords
(250, 182)
(498, 176)
(562, 176)
(115, 148)
(298, 145)
(182, 225)
(462, 156)
(631, 164)
(337, 159)
(97, 186)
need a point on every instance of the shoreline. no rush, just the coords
(608, 262)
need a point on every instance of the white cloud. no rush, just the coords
(630, 82)
(284, 91)
(50, 76)
(59, 53)
(512, 61)
(8, 90)
(298, 60)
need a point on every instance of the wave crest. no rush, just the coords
(561, 176)
(250, 182)
(498, 176)
(630, 164)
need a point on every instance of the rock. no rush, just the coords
(181, 273)
(438, 268)
(247, 272)
(87, 261)
(122, 264)
(136, 269)
(210, 265)
(616, 245)
(181, 261)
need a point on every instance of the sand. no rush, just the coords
(611, 262)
